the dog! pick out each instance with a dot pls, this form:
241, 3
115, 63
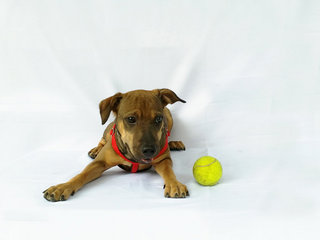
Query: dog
135, 141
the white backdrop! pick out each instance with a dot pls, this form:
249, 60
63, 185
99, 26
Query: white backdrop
250, 73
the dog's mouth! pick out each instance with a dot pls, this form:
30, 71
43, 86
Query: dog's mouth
146, 161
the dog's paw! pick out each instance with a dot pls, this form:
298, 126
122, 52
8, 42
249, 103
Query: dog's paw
177, 146
175, 190
59, 192
94, 152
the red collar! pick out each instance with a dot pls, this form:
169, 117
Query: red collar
135, 165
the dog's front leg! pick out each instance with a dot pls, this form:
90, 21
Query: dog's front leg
63, 191
172, 187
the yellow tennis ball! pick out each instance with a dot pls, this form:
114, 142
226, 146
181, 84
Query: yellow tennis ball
207, 171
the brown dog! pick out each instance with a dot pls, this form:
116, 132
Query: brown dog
136, 140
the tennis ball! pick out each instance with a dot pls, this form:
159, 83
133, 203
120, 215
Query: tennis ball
207, 171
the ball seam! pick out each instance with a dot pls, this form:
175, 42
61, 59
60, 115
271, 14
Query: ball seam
206, 165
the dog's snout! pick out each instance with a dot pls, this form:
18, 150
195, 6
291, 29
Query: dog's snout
148, 151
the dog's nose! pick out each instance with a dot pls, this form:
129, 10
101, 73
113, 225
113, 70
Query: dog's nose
148, 151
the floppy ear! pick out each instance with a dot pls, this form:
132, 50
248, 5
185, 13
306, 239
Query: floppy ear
109, 104
168, 96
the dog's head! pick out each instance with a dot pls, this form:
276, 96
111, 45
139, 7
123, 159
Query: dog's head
140, 120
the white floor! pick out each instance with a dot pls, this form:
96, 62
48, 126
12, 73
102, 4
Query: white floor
250, 73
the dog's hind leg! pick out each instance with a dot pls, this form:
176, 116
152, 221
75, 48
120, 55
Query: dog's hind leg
176, 146
94, 151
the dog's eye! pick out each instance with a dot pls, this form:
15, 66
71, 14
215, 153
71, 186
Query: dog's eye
131, 120
158, 119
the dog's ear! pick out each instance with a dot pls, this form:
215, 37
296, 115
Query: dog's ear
109, 104
167, 96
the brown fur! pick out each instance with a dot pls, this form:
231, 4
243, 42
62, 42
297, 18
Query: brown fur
140, 141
